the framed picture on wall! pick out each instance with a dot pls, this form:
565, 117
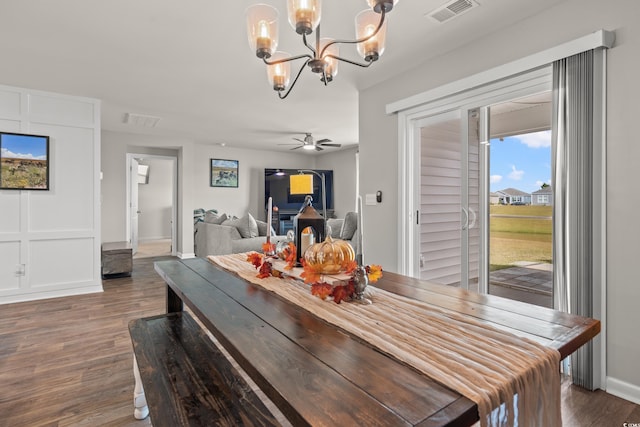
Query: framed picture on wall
224, 173
24, 161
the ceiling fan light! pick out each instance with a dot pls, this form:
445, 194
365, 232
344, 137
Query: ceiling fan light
262, 29
309, 147
304, 15
279, 74
373, 47
380, 5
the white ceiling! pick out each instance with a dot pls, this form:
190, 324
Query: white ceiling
189, 63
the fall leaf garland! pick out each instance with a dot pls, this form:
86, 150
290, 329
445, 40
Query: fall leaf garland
313, 275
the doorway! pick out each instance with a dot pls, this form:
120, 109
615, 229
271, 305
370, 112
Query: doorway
151, 204
446, 160
521, 200
578, 164
516, 214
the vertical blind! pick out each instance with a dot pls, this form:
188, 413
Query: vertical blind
573, 222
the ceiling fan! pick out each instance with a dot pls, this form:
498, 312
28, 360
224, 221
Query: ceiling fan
308, 143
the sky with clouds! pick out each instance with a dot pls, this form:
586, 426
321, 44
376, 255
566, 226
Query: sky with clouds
221, 163
522, 162
23, 147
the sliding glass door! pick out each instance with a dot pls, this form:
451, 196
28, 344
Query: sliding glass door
446, 193
521, 200
450, 147
449, 236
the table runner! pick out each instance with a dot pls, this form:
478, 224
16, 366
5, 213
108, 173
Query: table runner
482, 363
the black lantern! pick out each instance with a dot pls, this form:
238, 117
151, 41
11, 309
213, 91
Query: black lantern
307, 218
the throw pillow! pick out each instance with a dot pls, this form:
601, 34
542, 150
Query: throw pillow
336, 227
247, 226
212, 218
349, 226
262, 228
198, 215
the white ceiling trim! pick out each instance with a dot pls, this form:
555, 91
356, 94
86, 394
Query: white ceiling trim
600, 38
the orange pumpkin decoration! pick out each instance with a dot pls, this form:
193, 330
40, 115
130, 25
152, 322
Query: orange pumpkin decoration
329, 256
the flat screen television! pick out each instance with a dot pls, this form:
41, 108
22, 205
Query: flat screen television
24, 161
276, 185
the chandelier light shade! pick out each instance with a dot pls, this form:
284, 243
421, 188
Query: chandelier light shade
367, 29
304, 17
331, 53
262, 29
279, 73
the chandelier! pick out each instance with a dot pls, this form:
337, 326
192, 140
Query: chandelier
304, 17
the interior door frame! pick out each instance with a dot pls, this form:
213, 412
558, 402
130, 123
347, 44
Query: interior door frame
174, 194
134, 205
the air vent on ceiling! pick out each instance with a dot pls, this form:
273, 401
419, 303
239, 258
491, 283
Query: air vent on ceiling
141, 120
451, 10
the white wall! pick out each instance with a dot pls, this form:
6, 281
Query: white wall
343, 163
115, 146
54, 235
569, 20
194, 190
155, 200
249, 196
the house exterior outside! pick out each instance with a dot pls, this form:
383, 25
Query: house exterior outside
542, 197
513, 196
494, 198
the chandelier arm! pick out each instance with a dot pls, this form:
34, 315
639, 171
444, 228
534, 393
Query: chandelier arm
294, 80
304, 40
359, 64
363, 39
291, 58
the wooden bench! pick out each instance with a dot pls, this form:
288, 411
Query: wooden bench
187, 380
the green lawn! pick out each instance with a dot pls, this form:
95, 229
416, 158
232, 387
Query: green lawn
521, 210
517, 238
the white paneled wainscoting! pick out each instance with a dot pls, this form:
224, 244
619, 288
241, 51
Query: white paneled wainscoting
50, 239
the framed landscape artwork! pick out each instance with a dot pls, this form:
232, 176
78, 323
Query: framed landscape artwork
24, 161
224, 173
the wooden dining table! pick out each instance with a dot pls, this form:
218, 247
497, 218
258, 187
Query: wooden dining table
318, 374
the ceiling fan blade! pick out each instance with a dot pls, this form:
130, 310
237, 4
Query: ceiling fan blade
298, 139
293, 143
318, 148
322, 141
330, 145
295, 148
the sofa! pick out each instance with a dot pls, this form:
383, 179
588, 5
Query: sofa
219, 234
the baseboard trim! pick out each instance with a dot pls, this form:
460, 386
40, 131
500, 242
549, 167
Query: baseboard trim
186, 255
54, 293
153, 239
624, 390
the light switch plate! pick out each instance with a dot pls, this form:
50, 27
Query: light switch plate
370, 199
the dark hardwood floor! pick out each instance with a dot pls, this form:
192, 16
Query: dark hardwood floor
68, 361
